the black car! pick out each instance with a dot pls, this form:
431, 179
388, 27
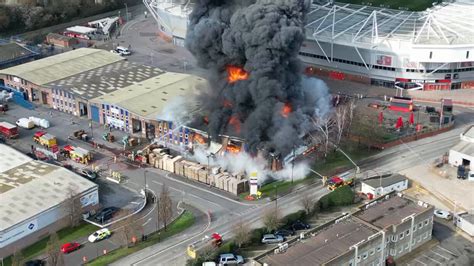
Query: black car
35, 263
299, 225
284, 232
106, 214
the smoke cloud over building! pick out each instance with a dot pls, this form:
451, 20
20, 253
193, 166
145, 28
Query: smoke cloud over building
250, 49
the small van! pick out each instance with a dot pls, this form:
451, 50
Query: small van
123, 51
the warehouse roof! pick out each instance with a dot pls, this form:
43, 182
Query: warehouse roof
329, 243
148, 98
390, 210
13, 51
464, 147
468, 135
384, 181
58, 36
446, 23
29, 187
63, 65
105, 79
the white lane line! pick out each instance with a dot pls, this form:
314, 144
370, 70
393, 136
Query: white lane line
419, 261
450, 252
147, 221
210, 202
436, 253
424, 256
172, 188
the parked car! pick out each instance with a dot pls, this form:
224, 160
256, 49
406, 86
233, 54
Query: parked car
106, 214
70, 247
99, 235
121, 51
89, 174
35, 263
443, 214
230, 258
272, 239
284, 232
299, 225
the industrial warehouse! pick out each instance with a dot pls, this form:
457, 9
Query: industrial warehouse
429, 50
34, 195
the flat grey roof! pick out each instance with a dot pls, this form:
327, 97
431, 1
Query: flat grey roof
468, 217
328, 244
464, 147
29, 187
105, 79
386, 181
11, 51
390, 211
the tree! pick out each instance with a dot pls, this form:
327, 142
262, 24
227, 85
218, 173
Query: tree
341, 115
165, 206
307, 203
17, 258
73, 208
241, 234
53, 249
271, 220
129, 230
325, 127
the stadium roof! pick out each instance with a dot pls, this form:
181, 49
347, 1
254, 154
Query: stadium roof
29, 187
149, 97
63, 65
367, 26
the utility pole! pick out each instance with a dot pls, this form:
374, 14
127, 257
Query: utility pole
146, 185
126, 11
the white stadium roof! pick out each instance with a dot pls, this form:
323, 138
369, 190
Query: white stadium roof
367, 26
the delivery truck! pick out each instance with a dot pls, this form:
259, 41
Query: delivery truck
8, 130
25, 123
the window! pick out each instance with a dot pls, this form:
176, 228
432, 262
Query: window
431, 55
427, 221
467, 55
420, 225
414, 228
379, 248
358, 258
394, 238
186, 136
365, 255
401, 236
407, 232
372, 252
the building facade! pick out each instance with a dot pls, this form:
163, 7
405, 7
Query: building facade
378, 186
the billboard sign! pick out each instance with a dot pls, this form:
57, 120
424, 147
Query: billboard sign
383, 60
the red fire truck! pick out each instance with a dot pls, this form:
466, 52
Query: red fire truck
8, 130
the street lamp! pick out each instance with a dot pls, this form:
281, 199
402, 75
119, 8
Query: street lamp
126, 11
144, 176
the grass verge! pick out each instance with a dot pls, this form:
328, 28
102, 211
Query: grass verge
180, 224
65, 235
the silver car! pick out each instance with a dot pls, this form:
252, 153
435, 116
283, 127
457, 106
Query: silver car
272, 239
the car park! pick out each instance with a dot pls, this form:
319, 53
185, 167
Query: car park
230, 258
443, 214
99, 235
284, 232
299, 225
272, 239
70, 247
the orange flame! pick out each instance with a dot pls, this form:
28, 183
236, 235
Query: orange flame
233, 149
234, 121
200, 139
236, 73
286, 110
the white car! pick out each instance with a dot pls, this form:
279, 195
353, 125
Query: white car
443, 214
121, 51
99, 235
230, 258
272, 239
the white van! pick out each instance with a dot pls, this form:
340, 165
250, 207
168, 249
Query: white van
123, 51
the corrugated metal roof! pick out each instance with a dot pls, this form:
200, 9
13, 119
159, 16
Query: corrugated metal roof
464, 147
60, 66
148, 98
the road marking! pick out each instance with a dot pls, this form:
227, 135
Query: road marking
147, 221
212, 203
431, 259
134, 202
450, 252
436, 253
419, 261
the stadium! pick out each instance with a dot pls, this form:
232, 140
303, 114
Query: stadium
429, 50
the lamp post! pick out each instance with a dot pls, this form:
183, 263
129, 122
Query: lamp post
126, 11
144, 177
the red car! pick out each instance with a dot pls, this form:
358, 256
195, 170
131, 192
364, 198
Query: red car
69, 247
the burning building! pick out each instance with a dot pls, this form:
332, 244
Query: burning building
250, 49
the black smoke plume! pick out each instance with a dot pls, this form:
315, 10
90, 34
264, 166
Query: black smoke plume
264, 38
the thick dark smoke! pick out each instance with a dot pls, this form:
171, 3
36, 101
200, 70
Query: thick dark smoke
264, 37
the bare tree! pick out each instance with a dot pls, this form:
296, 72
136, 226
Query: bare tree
129, 230
307, 203
271, 220
17, 258
241, 234
53, 249
325, 127
165, 206
341, 115
73, 207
